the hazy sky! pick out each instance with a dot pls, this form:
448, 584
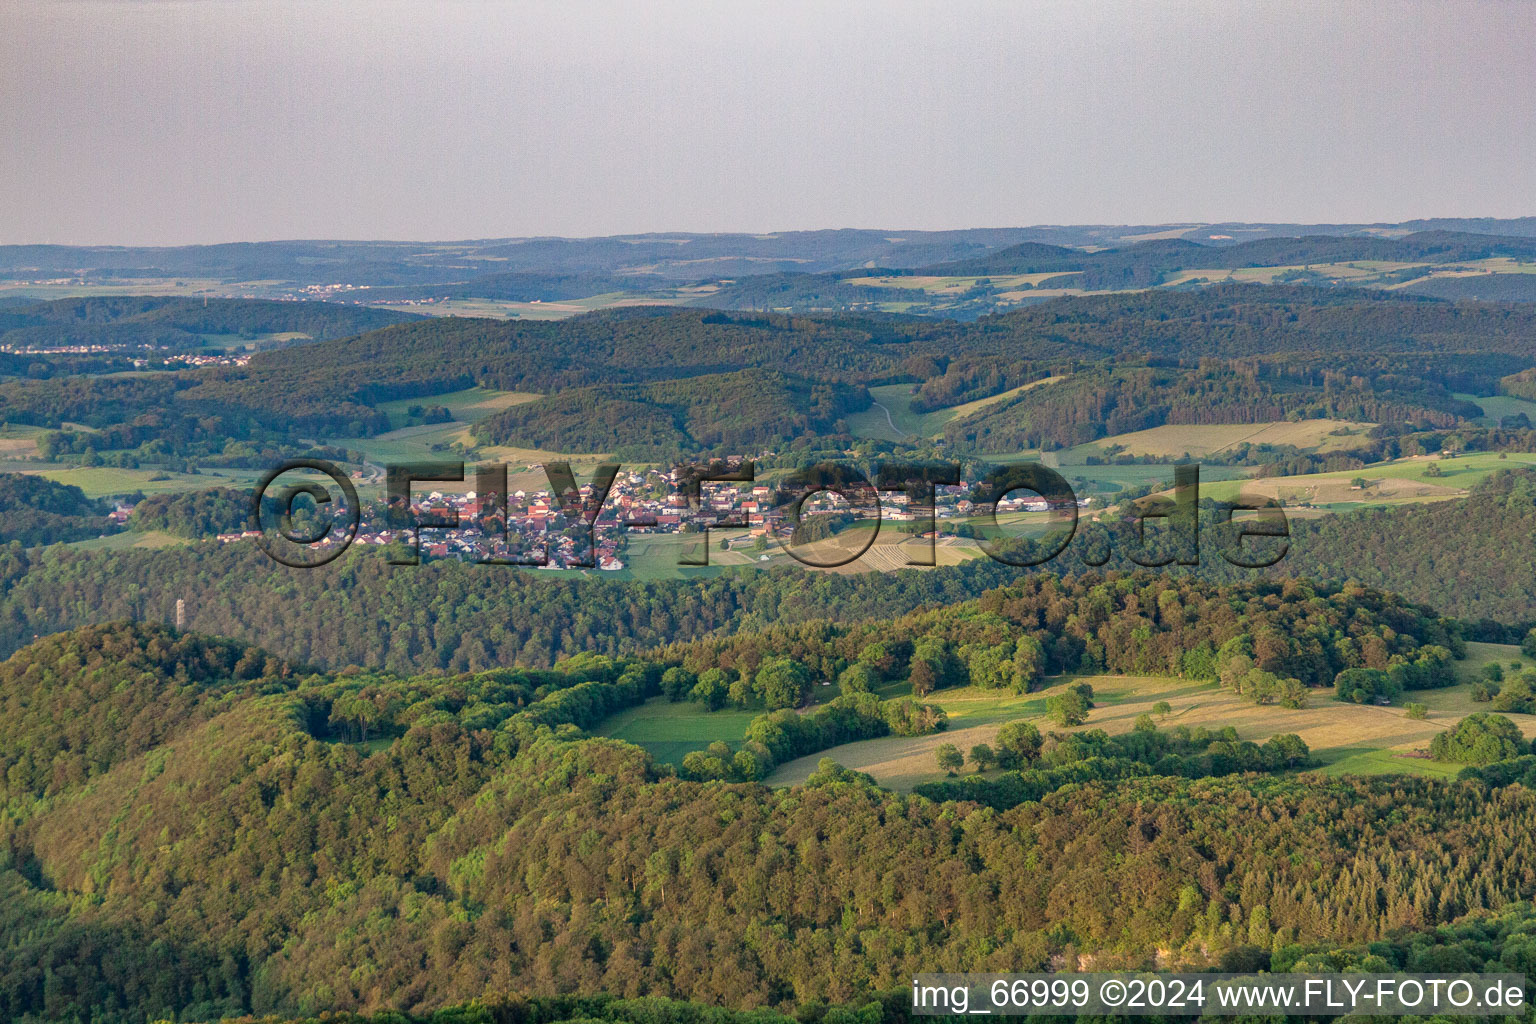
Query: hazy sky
171, 121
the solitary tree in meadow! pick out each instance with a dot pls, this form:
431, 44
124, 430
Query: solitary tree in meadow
949, 758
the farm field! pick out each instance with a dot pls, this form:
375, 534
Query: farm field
1405, 480
100, 481
1202, 440
426, 441
893, 549
236, 342
955, 285
18, 441
128, 286
1346, 738
654, 556
449, 441
498, 309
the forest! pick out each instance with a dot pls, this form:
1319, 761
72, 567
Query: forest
303, 841
727, 413
37, 511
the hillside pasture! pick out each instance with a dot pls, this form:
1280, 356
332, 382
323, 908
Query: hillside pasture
896, 400
18, 441
466, 406
1345, 738
1204, 440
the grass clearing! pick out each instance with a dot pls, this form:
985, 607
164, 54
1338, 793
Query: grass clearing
131, 539
655, 556
670, 731
1496, 407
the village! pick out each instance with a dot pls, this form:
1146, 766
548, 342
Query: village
532, 527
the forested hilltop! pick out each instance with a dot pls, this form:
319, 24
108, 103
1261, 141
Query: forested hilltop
653, 379
195, 827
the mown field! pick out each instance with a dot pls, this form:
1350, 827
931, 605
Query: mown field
1203, 440
1346, 738
1405, 480
467, 406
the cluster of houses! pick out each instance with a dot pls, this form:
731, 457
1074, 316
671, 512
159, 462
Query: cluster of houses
139, 362
534, 527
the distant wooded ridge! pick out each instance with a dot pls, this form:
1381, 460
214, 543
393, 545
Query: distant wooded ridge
671, 255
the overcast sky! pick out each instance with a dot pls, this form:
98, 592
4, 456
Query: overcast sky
173, 121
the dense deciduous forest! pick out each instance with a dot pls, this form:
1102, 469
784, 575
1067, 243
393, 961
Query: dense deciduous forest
1465, 557
731, 413
229, 833
457, 616
361, 611
35, 510
179, 324
194, 514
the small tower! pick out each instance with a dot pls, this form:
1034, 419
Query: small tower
181, 614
